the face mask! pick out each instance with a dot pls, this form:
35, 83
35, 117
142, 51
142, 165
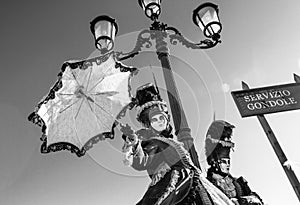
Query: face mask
224, 164
158, 122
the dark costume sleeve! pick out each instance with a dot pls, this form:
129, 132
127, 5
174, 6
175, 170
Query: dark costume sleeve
246, 191
144, 154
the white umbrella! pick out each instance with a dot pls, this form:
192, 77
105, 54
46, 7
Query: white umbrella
83, 106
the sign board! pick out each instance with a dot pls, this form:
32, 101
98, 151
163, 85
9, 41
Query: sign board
265, 100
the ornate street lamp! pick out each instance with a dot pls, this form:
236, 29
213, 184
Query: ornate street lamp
104, 29
151, 8
205, 16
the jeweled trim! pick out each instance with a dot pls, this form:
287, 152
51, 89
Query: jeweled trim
222, 142
149, 104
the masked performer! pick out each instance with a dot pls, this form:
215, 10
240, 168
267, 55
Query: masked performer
174, 177
217, 147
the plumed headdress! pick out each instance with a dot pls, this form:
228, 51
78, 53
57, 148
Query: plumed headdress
149, 103
218, 141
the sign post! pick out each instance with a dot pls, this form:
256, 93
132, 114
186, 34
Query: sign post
266, 100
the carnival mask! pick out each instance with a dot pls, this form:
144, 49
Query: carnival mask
224, 164
159, 122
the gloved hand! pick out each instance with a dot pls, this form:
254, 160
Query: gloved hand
128, 134
250, 200
235, 201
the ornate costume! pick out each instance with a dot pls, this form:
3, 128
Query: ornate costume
217, 147
174, 177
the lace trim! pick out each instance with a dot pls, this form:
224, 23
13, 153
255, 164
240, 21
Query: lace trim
160, 173
128, 159
170, 188
225, 184
216, 194
182, 152
129, 151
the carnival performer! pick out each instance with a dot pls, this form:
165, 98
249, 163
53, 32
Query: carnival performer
218, 144
174, 177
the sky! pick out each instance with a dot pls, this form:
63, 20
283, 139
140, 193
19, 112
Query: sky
260, 46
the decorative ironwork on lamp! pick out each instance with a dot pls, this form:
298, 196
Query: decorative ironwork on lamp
104, 29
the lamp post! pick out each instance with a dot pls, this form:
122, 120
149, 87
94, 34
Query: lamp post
205, 17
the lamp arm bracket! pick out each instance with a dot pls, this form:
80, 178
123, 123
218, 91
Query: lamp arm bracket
175, 30
143, 40
177, 37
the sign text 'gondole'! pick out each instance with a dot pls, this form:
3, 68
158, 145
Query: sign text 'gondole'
267, 100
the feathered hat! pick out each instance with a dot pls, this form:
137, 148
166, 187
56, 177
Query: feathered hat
149, 103
218, 141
